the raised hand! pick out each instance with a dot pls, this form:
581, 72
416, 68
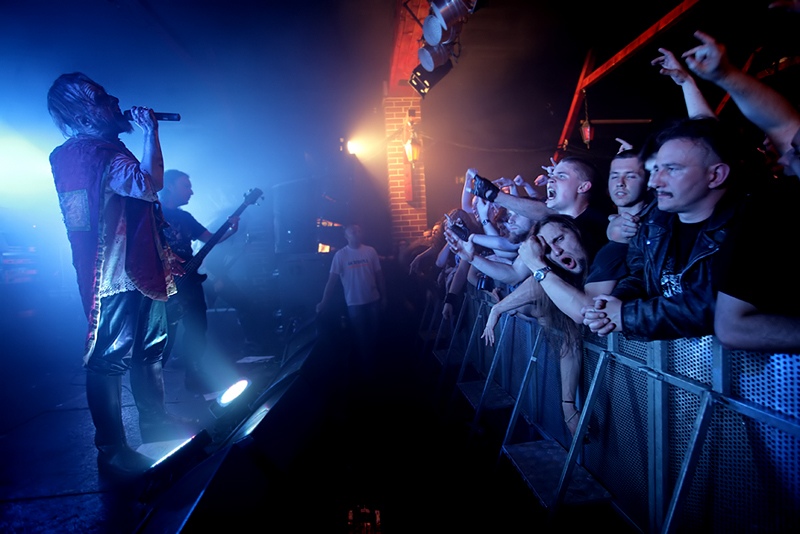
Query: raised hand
670, 66
484, 188
548, 169
503, 182
708, 60
464, 249
623, 145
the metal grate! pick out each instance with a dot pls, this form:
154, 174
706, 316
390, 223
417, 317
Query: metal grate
771, 380
746, 479
618, 436
747, 472
691, 357
634, 349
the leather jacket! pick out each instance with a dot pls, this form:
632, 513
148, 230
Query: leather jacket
647, 314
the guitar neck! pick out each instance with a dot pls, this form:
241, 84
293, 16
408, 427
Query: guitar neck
192, 265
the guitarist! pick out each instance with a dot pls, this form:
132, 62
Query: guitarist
183, 229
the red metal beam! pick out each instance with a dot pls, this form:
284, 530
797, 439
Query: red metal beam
587, 80
648, 35
577, 100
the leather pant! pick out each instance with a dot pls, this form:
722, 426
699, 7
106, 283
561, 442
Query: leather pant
132, 330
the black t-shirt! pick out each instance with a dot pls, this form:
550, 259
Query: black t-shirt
758, 257
592, 223
609, 263
681, 244
182, 230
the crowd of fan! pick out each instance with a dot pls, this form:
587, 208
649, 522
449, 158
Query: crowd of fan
670, 252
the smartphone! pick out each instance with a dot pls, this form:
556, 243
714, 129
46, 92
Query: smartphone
459, 229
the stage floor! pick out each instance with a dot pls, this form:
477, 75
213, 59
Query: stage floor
328, 446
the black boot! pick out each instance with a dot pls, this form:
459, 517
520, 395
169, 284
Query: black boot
114, 457
155, 424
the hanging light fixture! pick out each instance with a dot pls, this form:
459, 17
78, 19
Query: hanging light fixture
587, 130
413, 146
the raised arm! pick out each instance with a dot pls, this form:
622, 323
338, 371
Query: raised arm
152, 158
696, 104
758, 102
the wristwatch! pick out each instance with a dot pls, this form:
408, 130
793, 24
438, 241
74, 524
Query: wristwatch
539, 274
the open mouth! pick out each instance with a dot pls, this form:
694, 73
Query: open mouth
551, 194
568, 262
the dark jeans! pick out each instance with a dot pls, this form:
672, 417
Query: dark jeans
365, 324
132, 329
194, 321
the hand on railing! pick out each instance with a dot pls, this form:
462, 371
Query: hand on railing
605, 316
491, 322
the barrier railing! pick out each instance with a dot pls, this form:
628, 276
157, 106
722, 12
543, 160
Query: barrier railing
683, 435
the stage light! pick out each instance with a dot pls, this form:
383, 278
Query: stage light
224, 400
233, 392
354, 147
423, 81
434, 33
432, 57
448, 12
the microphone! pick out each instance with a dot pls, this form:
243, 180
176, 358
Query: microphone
159, 116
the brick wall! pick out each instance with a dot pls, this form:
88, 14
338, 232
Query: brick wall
406, 185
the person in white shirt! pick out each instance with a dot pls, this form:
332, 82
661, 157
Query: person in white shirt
358, 268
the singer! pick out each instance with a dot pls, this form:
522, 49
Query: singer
124, 267
159, 116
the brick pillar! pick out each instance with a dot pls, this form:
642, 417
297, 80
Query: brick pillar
406, 185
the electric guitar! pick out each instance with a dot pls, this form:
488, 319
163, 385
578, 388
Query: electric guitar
175, 309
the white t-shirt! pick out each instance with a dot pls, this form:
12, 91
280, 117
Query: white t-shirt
358, 269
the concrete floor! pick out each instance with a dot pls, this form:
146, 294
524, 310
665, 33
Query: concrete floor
325, 448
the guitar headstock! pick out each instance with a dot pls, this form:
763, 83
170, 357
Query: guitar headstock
252, 196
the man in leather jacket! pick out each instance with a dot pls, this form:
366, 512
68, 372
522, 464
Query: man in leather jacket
669, 292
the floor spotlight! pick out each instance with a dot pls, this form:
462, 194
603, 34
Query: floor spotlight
219, 407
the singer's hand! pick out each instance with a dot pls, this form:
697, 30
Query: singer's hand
144, 118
